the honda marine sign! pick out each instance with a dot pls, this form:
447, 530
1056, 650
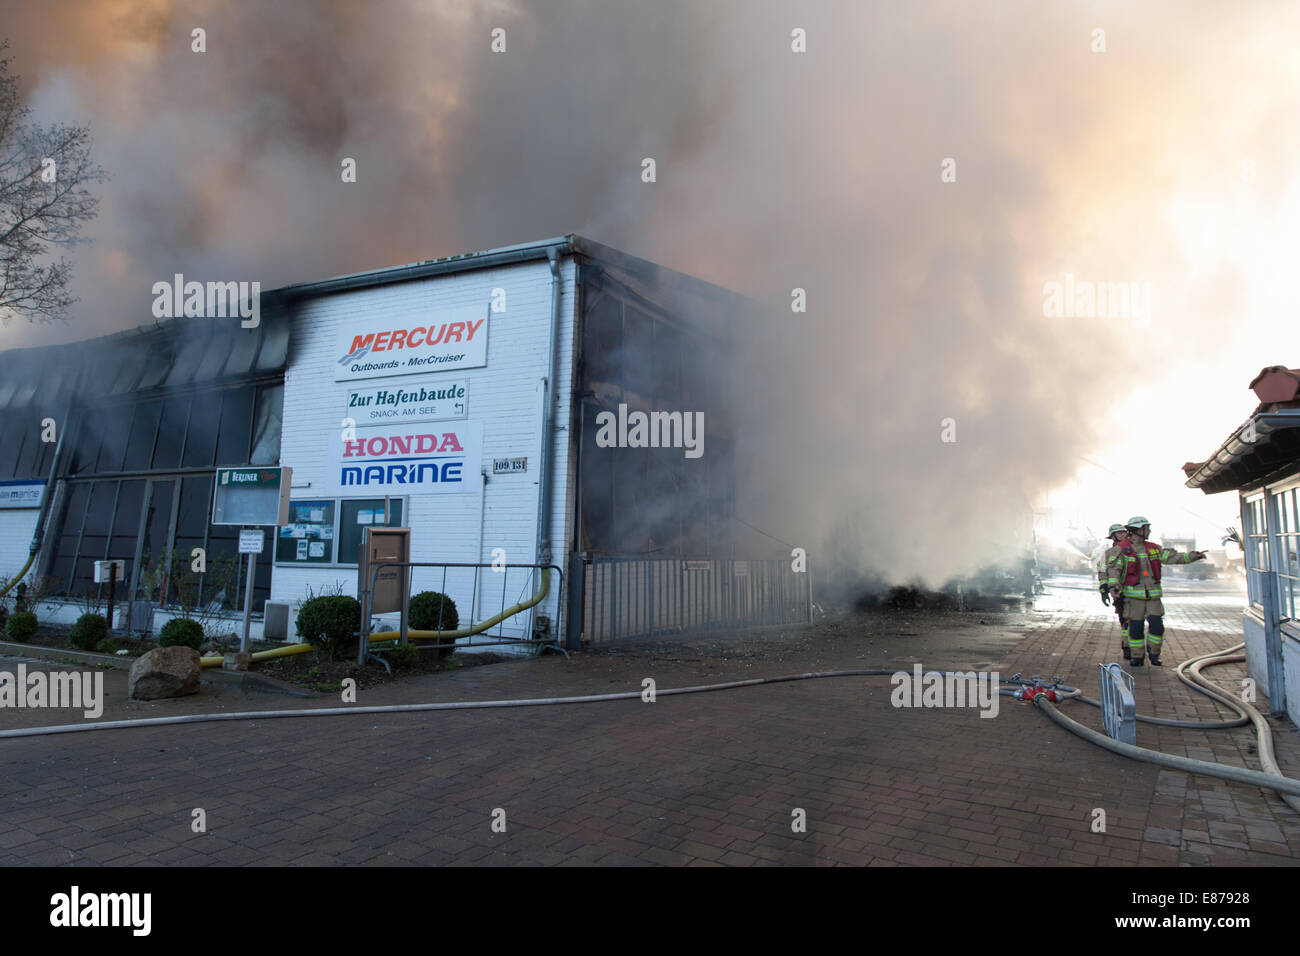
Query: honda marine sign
415, 459
434, 342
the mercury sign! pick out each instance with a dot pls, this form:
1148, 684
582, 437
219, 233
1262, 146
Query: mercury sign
426, 342
437, 458
428, 399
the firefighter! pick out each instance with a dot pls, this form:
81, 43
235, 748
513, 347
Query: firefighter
1117, 535
1134, 574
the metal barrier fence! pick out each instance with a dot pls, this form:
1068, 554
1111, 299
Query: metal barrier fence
1118, 706
477, 592
626, 597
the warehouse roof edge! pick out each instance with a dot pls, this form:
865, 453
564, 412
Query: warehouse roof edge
189, 350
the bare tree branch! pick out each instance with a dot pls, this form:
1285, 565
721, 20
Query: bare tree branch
43, 202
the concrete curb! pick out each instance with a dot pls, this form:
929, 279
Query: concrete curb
10, 649
246, 681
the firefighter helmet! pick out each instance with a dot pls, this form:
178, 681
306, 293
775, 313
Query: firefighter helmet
1137, 521
1114, 530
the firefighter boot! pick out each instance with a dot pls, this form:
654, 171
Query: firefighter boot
1156, 638
1137, 645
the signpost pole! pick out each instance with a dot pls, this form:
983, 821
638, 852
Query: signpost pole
248, 598
112, 580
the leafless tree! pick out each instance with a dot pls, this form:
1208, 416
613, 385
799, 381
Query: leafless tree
43, 200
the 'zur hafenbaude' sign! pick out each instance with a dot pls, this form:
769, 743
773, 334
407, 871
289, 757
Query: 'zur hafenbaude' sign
378, 347
406, 460
430, 399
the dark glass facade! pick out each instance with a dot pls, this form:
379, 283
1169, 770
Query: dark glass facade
138, 487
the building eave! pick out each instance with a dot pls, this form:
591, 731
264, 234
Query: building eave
1262, 448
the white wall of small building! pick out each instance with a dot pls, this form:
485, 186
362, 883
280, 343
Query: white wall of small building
505, 396
16, 527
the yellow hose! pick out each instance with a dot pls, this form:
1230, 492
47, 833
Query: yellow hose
479, 628
19, 576
290, 649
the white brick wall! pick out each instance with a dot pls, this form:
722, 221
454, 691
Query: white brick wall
505, 396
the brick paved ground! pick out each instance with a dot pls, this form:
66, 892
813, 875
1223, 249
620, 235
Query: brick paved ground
689, 780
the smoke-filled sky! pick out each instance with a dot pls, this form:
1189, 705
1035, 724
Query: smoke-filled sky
1171, 159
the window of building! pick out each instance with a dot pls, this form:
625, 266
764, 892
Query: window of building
27, 455
308, 538
328, 531
236, 426
201, 438
266, 426
1287, 524
171, 432
357, 514
144, 432
1255, 537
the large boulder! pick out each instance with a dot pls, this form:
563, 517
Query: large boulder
165, 672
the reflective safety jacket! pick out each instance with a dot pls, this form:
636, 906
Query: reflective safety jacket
1135, 569
1103, 566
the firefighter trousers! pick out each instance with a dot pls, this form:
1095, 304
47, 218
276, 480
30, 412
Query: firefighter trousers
1138, 644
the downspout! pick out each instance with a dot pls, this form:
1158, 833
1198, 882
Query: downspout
575, 567
548, 422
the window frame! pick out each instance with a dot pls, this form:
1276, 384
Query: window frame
397, 503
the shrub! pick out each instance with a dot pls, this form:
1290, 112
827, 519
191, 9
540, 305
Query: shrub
89, 630
329, 622
181, 632
107, 646
21, 626
404, 656
433, 611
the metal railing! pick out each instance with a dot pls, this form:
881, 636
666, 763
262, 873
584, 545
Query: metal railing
625, 597
1118, 706
466, 589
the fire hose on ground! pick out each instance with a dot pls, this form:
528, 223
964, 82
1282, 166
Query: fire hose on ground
1042, 697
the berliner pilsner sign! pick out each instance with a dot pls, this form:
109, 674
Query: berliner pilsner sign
252, 496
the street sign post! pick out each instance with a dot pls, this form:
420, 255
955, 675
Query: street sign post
251, 496
251, 544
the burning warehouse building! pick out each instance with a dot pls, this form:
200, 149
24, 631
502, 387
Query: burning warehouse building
557, 403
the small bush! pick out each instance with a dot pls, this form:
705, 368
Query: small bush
89, 630
432, 611
21, 626
329, 622
401, 656
107, 646
181, 632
